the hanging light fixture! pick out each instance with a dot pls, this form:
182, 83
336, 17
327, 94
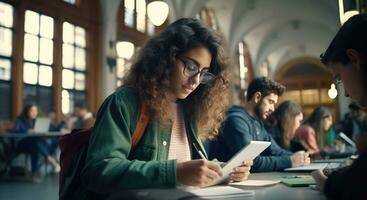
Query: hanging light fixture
157, 12
125, 49
347, 9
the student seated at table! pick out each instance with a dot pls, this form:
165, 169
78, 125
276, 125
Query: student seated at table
84, 118
283, 123
245, 123
315, 132
34, 145
180, 75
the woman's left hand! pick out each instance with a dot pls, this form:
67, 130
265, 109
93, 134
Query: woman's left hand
242, 172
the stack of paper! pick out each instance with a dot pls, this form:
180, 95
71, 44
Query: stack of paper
220, 192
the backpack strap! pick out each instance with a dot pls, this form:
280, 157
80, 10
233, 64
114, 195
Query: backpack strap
141, 125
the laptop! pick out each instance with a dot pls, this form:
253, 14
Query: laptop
42, 125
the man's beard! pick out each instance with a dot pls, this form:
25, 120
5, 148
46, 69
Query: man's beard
258, 111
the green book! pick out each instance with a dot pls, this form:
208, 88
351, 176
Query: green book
298, 181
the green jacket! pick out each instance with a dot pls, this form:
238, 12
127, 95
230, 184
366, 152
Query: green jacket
110, 166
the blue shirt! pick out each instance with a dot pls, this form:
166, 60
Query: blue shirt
239, 129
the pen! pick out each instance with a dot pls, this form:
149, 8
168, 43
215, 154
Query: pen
199, 151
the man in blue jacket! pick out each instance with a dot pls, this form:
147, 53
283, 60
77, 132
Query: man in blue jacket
244, 124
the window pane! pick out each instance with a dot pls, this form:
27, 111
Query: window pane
80, 36
45, 75
6, 15
31, 22
5, 69
65, 102
141, 7
5, 41
67, 56
5, 105
130, 4
30, 73
79, 81
68, 79
30, 47
151, 28
140, 23
68, 33
46, 51
80, 59
120, 67
30, 94
310, 96
45, 99
70, 1
129, 18
47, 27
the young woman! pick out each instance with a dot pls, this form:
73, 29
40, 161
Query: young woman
180, 75
283, 123
314, 133
34, 145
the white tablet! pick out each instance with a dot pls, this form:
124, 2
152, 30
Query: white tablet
249, 152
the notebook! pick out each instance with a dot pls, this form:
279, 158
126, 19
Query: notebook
42, 125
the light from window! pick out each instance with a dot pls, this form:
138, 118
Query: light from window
79, 36
140, 15
65, 99
30, 47
79, 81
5, 41
129, 13
6, 15
30, 73
67, 56
31, 22
68, 79
68, 33
73, 2
80, 59
47, 27
45, 75
5, 69
46, 51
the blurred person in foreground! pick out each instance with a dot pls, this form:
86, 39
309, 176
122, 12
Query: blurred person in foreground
346, 56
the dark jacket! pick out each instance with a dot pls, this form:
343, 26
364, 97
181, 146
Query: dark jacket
348, 182
239, 129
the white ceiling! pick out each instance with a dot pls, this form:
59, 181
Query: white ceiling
276, 31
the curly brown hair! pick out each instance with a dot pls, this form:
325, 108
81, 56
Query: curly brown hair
152, 68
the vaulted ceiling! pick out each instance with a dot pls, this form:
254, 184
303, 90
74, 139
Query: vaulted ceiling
275, 31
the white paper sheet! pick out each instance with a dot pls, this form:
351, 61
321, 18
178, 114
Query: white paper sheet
220, 192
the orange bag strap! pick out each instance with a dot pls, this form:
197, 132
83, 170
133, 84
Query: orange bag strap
141, 125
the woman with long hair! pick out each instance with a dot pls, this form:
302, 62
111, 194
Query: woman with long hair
314, 132
283, 123
180, 75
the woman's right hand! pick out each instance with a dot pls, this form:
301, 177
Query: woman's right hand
198, 172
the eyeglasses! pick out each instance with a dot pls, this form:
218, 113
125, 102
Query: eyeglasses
191, 69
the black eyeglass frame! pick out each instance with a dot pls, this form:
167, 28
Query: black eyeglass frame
205, 77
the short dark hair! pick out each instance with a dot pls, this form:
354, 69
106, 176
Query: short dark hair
265, 86
352, 35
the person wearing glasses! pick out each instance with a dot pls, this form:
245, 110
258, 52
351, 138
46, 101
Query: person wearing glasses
180, 74
346, 57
